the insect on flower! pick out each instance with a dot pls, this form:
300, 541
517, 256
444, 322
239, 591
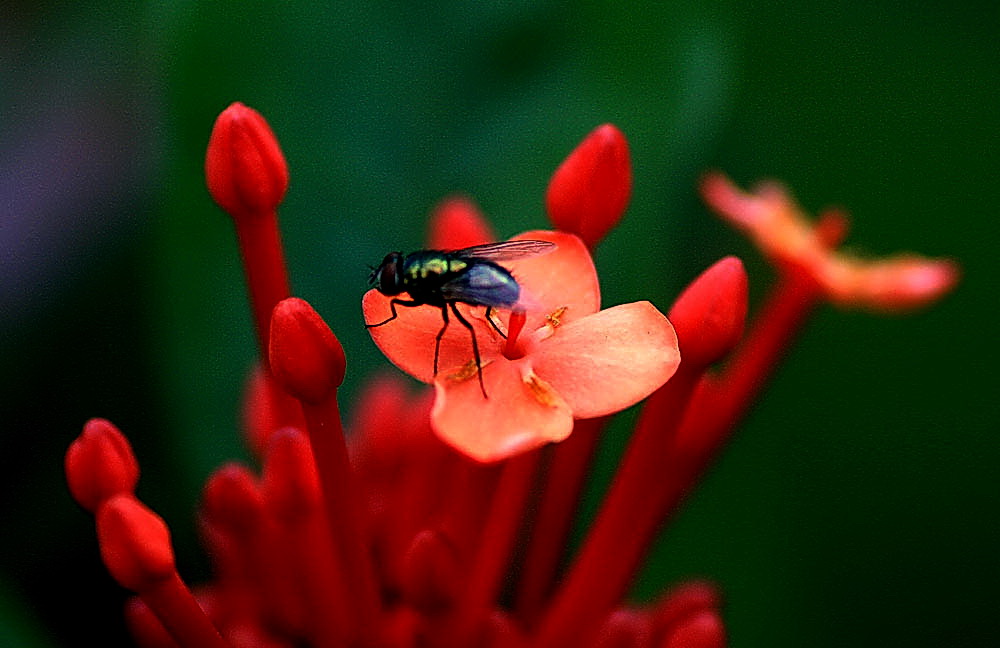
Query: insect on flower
439, 278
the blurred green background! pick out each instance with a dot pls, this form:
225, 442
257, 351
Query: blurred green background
857, 505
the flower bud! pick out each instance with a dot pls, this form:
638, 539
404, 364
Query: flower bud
233, 499
710, 314
135, 543
703, 630
457, 223
244, 167
589, 191
306, 357
431, 572
100, 464
291, 484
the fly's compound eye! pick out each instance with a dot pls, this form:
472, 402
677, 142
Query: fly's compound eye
388, 275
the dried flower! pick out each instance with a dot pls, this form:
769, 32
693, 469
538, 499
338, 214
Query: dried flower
776, 224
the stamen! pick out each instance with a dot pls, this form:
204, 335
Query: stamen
554, 319
466, 371
541, 390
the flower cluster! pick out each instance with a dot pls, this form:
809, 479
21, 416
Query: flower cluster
403, 532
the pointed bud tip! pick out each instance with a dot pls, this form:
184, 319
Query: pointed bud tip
135, 543
232, 498
100, 464
590, 190
431, 575
244, 166
456, 223
291, 483
306, 357
710, 314
702, 630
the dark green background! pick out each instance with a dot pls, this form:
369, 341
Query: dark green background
858, 504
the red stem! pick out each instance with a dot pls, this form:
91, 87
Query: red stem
264, 267
496, 544
560, 498
721, 402
324, 595
668, 453
626, 523
180, 614
342, 501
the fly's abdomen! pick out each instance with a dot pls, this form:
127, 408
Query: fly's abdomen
483, 283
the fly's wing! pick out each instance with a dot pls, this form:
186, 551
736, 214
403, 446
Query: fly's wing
505, 250
484, 284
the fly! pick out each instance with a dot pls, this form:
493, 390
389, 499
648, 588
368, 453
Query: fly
446, 278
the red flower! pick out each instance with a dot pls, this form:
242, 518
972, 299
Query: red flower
570, 360
393, 539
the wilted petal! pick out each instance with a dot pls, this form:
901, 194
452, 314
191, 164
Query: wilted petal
521, 413
610, 360
779, 227
897, 283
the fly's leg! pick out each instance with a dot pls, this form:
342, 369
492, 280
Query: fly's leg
475, 345
489, 318
437, 340
392, 307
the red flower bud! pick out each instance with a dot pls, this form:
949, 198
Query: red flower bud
100, 464
306, 357
682, 603
703, 630
709, 315
291, 484
457, 223
135, 543
624, 628
232, 499
589, 191
244, 166
431, 572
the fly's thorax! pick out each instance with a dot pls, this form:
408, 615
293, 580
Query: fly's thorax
429, 266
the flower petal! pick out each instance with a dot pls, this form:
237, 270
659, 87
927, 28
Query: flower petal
565, 277
608, 361
408, 341
521, 413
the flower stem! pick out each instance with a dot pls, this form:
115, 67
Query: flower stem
180, 614
293, 496
560, 497
626, 523
721, 402
496, 543
264, 267
341, 498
